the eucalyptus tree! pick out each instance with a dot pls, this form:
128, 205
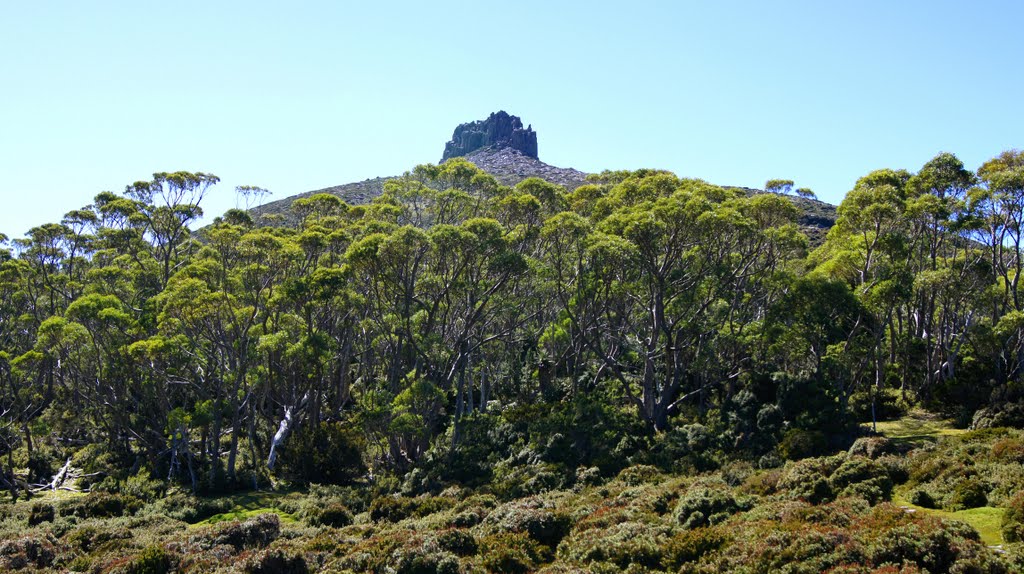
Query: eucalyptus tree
998, 203
949, 275
779, 186
674, 265
869, 247
165, 207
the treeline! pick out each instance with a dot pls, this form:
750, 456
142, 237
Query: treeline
453, 324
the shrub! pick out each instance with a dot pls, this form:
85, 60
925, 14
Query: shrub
40, 466
703, 506
1013, 519
191, 508
969, 493
1008, 449
862, 477
931, 547
871, 447
144, 488
511, 553
515, 480
620, 544
275, 561
458, 542
887, 402
89, 538
257, 532
736, 473
807, 480
762, 483
639, 474
18, 553
426, 561
927, 466
396, 508
530, 517
334, 514
1003, 415
895, 466
355, 498
102, 505
691, 545
588, 476
152, 560
798, 443
922, 498
472, 511
40, 513
769, 460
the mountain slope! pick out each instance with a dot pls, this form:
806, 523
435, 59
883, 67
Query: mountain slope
490, 145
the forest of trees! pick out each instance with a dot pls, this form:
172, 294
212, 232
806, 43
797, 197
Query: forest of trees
452, 322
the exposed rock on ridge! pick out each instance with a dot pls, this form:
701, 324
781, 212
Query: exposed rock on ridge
500, 130
510, 166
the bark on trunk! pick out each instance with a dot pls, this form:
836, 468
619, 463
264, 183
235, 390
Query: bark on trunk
285, 429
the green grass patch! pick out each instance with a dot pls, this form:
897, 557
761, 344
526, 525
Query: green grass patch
244, 514
987, 520
249, 504
917, 428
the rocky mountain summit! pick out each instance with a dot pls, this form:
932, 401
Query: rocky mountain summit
499, 131
501, 146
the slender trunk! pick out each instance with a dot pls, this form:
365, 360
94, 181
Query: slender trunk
285, 429
215, 443
236, 423
459, 394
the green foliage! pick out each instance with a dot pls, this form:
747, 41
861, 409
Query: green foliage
512, 553
921, 498
618, 545
328, 454
397, 508
101, 505
1013, 519
334, 514
968, 493
458, 542
274, 561
152, 560
691, 545
872, 447
530, 516
17, 553
807, 480
41, 512
91, 538
703, 506
797, 444
256, 532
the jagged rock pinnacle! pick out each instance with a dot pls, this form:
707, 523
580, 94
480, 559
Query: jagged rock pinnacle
499, 130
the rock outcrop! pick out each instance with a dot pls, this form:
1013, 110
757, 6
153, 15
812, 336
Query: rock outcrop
500, 130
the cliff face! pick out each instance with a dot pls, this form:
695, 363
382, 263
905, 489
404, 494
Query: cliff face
498, 131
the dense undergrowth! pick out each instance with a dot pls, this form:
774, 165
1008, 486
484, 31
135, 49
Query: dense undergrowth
831, 513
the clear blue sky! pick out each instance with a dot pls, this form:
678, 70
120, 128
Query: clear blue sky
304, 95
